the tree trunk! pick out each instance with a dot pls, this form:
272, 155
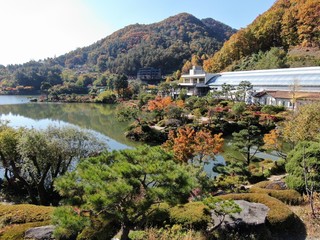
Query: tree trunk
248, 155
42, 195
125, 233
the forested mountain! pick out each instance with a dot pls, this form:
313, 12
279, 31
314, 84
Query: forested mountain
166, 45
162, 45
287, 35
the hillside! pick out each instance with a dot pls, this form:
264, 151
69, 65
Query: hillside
287, 35
165, 45
162, 45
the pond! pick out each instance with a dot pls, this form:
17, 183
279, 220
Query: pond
98, 118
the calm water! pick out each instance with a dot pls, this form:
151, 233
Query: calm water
98, 118
95, 117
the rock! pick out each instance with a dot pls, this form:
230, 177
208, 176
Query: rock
252, 214
40, 233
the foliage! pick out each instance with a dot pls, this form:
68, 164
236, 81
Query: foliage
303, 169
284, 25
242, 91
144, 133
189, 144
16, 219
66, 88
248, 140
33, 159
106, 97
166, 45
238, 108
304, 124
175, 232
68, 222
222, 208
123, 185
270, 109
24, 213
17, 231
286, 196
192, 215
120, 83
304, 155
273, 141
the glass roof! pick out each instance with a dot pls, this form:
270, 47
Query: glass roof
301, 76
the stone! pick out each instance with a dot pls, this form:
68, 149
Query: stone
252, 214
40, 233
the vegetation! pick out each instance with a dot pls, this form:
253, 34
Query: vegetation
288, 196
162, 192
303, 168
280, 217
32, 159
188, 144
16, 219
267, 41
123, 186
165, 45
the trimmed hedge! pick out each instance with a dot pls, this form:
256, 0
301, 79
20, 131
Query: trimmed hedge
24, 213
16, 219
17, 231
193, 215
289, 196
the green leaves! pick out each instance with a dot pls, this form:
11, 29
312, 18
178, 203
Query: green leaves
128, 183
37, 157
303, 166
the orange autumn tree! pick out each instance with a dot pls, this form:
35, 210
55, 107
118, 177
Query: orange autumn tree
158, 106
188, 144
159, 103
272, 141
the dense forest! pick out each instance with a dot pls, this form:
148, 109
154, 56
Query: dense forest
287, 35
165, 45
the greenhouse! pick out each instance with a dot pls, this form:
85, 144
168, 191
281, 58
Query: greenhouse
301, 79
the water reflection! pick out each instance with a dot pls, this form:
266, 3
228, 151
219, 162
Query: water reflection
96, 117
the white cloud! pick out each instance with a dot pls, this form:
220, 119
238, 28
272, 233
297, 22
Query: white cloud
37, 29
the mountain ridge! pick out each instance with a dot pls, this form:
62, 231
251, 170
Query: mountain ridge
172, 40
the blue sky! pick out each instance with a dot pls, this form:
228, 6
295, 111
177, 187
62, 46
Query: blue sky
37, 29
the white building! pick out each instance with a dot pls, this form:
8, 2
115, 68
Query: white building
305, 79
272, 87
196, 81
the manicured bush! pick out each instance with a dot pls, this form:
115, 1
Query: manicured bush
24, 213
17, 231
159, 216
175, 232
289, 196
194, 215
16, 219
272, 109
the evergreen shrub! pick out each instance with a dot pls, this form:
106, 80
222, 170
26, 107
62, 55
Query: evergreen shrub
16, 219
288, 196
193, 215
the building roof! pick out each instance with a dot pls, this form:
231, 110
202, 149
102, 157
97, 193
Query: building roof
289, 95
307, 76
